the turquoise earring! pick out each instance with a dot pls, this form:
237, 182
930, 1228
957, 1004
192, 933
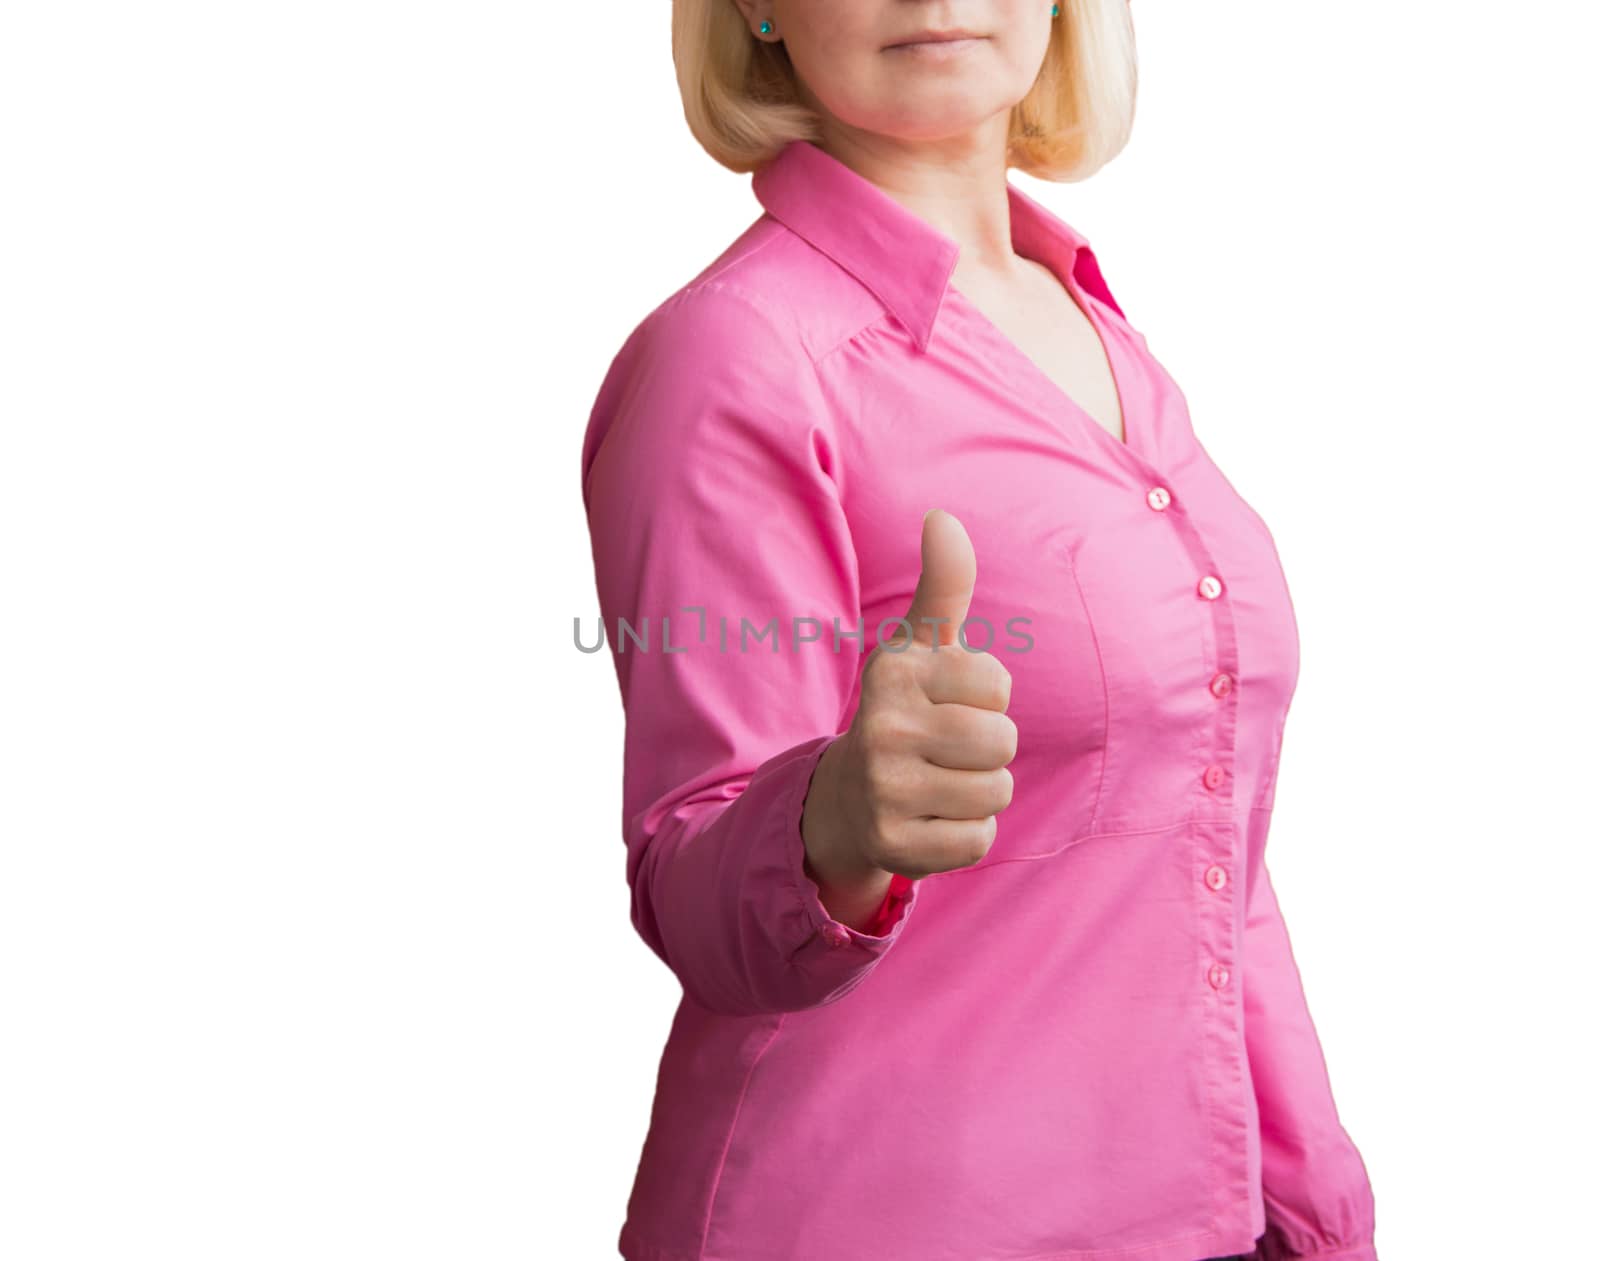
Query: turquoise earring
1055, 10
766, 28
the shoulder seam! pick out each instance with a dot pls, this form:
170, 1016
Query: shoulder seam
715, 276
776, 314
719, 280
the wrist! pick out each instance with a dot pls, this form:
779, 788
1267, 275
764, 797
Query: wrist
852, 888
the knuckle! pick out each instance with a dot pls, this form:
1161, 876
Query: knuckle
986, 680
1005, 787
880, 665
881, 730
870, 833
879, 777
999, 681
968, 666
886, 848
890, 661
980, 840
1008, 739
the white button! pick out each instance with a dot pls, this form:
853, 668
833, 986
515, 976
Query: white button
1210, 587
1158, 498
1218, 976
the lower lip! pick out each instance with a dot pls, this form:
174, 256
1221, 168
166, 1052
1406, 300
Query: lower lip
937, 49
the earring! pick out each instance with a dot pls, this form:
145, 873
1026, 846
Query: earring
766, 28
1055, 10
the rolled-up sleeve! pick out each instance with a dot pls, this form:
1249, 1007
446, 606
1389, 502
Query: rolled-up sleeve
1319, 1202
719, 541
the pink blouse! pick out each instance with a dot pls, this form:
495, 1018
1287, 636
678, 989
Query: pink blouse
1091, 1045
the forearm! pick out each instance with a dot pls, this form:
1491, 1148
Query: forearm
723, 899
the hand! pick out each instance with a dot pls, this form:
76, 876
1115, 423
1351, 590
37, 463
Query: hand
915, 785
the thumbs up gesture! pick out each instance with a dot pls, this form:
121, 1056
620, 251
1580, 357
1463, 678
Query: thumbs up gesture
915, 785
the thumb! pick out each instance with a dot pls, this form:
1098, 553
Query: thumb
949, 574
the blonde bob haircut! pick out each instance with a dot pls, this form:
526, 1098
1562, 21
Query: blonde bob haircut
740, 100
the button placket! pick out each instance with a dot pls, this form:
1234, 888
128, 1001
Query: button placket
1215, 777
1221, 685
1215, 833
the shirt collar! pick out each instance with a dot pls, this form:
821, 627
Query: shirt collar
900, 257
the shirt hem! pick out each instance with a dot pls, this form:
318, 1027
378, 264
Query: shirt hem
634, 1246
1366, 1251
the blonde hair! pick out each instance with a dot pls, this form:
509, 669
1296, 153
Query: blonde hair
741, 104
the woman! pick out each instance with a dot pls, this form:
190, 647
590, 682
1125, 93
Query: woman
979, 955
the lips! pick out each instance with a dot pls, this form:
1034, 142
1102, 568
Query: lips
936, 37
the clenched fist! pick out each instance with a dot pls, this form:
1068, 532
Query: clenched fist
914, 785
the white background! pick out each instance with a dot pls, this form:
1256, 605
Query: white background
314, 935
